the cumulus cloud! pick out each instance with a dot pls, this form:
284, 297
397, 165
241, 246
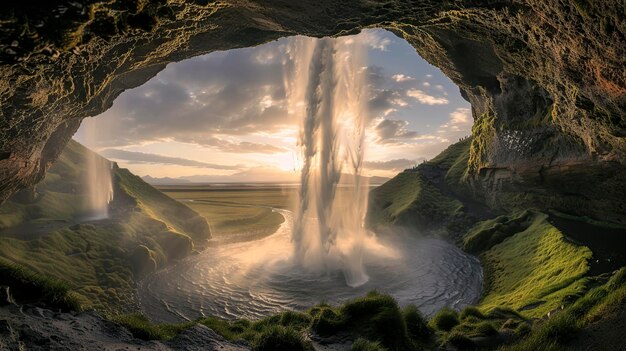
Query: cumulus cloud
148, 158
402, 78
389, 131
375, 39
392, 165
237, 93
460, 121
426, 99
238, 147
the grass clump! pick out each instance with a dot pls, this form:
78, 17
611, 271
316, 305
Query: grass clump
458, 340
28, 286
280, 338
445, 320
141, 327
486, 329
366, 345
471, 311
378, 317
375, 317
522, 330
549, 335
416, 325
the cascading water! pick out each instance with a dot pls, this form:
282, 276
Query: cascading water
322, 245
328, 231
98, 182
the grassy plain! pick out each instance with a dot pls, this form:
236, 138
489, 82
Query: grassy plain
236, 209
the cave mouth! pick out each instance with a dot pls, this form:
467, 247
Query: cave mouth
241, 116
195, 114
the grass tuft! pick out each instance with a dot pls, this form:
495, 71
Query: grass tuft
141, 327
28, 286
366, 345
279, 338
471, 311
445, 320
416, 325
459, 340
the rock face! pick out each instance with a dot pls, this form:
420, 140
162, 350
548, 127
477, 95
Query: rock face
34, 328
545, 78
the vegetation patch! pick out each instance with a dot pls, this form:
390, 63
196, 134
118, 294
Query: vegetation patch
534, 270
483, 132
410, 199
486, 234
27, 286
445, 320
366, 345
141, 327
100, 261
559, 330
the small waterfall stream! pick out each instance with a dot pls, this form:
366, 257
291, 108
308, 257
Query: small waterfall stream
98, 182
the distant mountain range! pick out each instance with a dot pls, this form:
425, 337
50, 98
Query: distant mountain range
253, 175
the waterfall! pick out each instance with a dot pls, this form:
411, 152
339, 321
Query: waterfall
327, 86
98, 182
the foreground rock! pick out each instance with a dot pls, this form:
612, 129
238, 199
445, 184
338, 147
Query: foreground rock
34, 328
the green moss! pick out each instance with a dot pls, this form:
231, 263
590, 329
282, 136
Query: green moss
410, 198
536, 267
483, 132
484, 235
27, 286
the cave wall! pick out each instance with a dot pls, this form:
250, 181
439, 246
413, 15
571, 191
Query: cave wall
545, 77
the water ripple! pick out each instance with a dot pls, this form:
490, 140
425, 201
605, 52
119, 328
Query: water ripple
258, 278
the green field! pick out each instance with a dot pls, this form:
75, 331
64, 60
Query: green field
236, 210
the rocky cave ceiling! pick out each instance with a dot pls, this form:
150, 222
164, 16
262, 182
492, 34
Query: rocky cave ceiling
545, 78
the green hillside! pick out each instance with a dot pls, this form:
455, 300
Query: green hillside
43, 233
415, 197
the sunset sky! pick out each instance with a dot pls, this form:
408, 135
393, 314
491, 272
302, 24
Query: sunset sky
225, 113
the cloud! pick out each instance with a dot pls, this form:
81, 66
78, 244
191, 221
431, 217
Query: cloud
402, 78
392, 165
239, 147
375, 39
237, 93
389, 130
460, 121
147, 158
426, 99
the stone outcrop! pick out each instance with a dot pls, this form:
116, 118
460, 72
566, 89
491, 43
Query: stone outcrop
545, 78
35, 328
